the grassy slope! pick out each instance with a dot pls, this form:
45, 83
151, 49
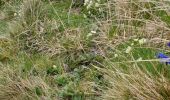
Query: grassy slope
53, 52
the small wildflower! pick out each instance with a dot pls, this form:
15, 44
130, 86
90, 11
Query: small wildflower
161, 55
91, 2
115, 55
139, 59
93, 32
15, 14
135, 39
163, 58
54, 66
168, 44
128, 50
142, 41
132, 44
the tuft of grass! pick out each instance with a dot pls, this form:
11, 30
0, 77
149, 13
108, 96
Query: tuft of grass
134, 83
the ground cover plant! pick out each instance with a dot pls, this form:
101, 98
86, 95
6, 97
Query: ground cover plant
84, 50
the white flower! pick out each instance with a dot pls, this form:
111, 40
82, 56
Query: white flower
91, 2
132, 44
94, 32
142, 41
128, 50
54, 66
135, 39
15, 14
115, 55
139, 59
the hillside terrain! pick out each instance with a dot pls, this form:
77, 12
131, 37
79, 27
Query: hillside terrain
84, 50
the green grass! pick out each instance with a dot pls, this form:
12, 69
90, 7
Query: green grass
3, 27
52, 50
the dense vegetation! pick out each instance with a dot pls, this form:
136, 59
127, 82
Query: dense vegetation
91, 50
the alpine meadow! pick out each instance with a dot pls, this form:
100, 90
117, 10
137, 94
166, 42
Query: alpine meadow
84, 49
